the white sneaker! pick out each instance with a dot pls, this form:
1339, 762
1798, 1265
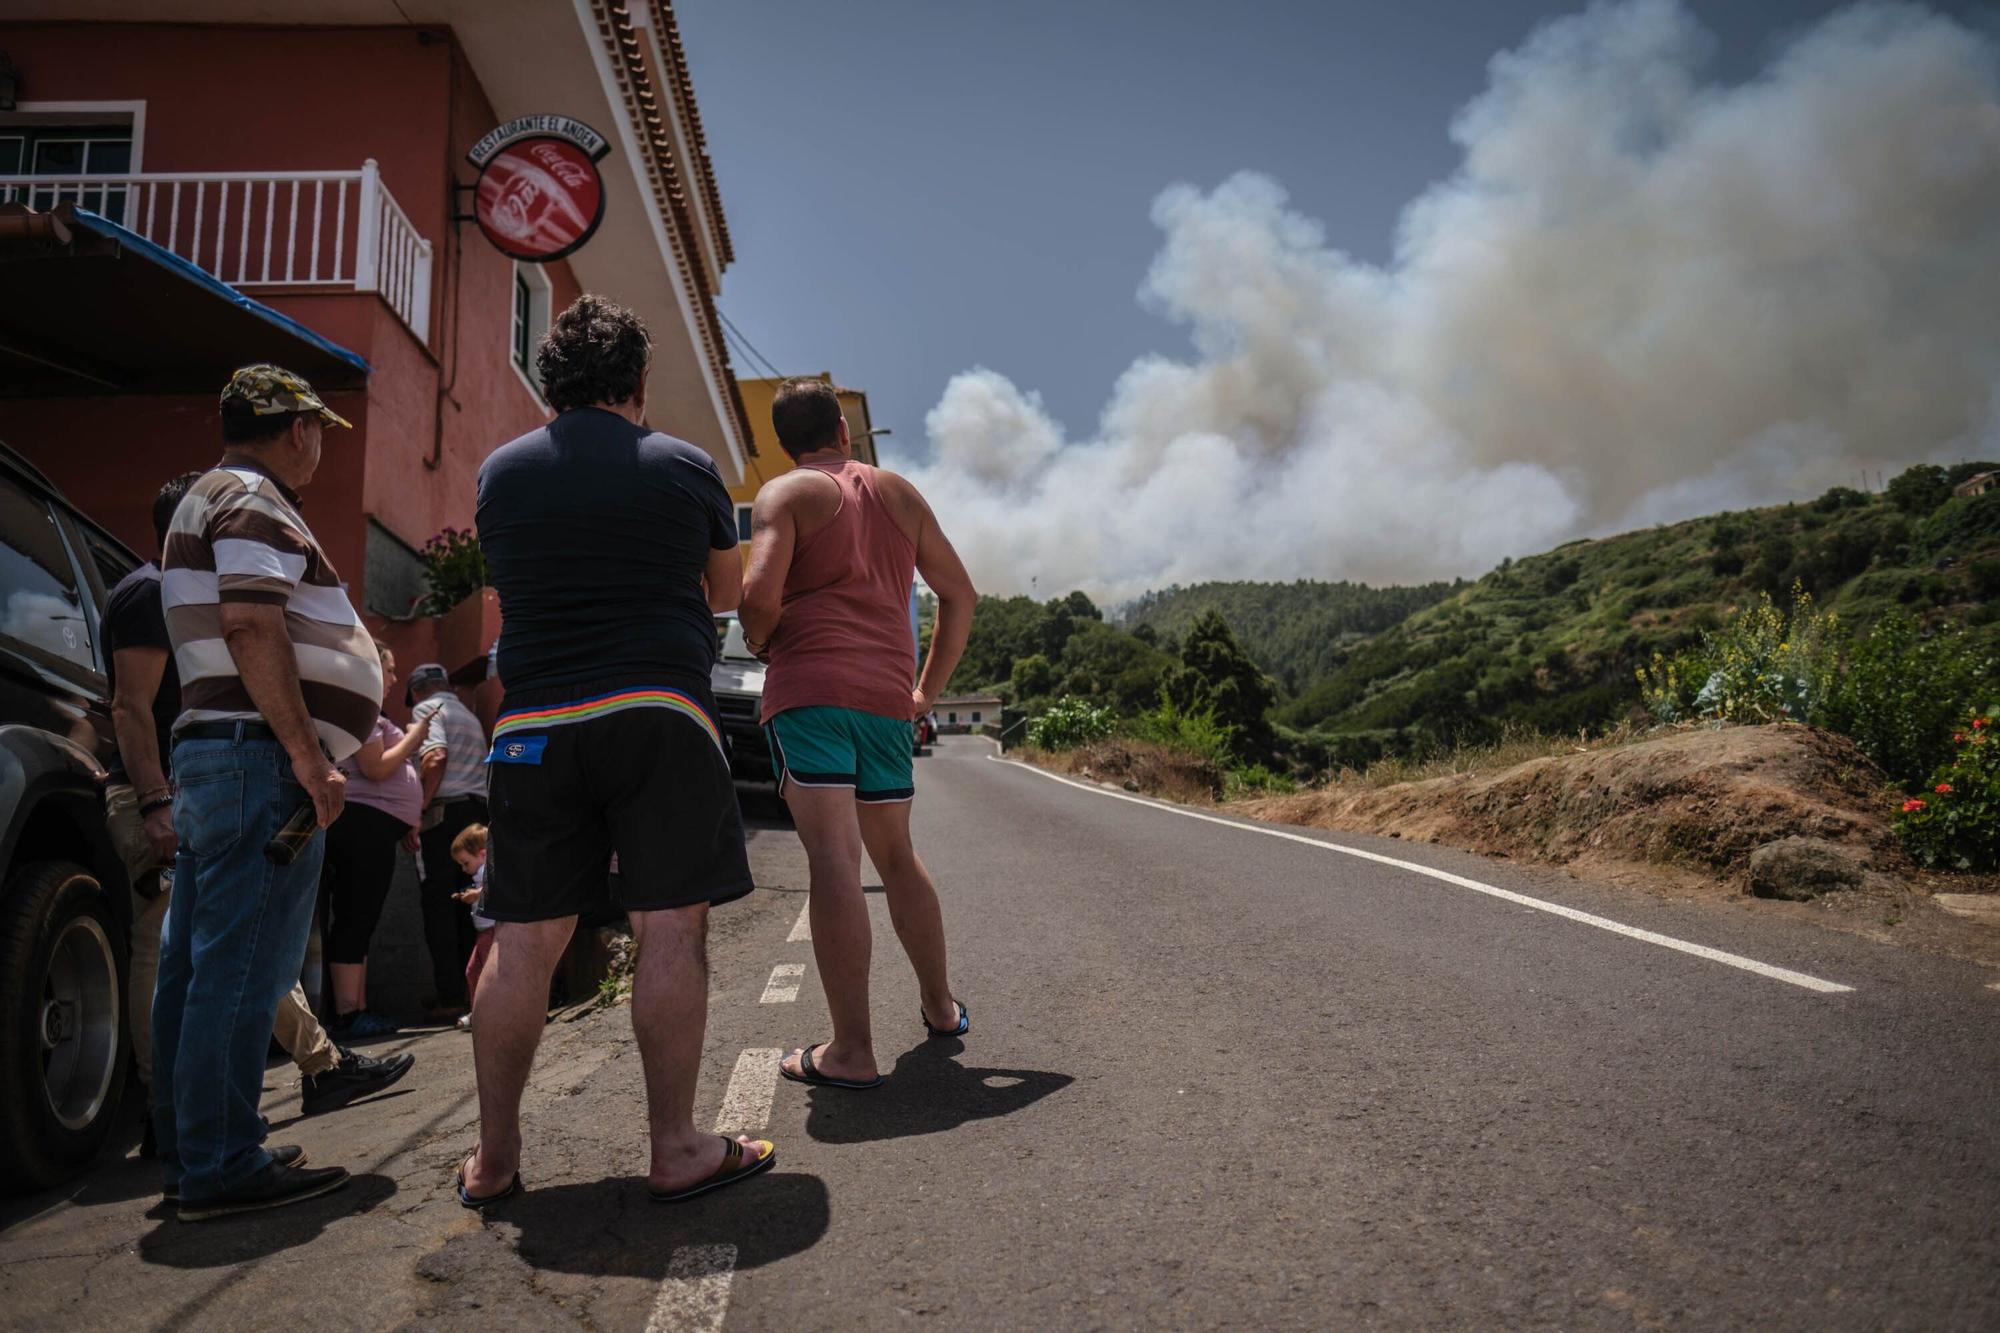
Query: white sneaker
465, 1022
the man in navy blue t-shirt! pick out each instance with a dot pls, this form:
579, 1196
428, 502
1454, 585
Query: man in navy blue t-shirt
612, 547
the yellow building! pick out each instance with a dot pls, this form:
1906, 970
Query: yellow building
768, 458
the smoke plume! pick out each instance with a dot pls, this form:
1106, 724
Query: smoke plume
1641, 297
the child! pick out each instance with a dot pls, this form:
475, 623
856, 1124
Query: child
469, 850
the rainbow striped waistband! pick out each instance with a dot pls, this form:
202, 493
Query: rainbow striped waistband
604, 705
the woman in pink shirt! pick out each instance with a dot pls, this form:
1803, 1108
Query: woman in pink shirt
384, 801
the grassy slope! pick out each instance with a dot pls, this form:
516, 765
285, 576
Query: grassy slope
1551, 641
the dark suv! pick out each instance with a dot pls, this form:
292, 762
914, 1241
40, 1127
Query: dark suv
65, 905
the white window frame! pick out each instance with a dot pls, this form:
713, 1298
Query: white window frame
86, 113
541, 294
742, 527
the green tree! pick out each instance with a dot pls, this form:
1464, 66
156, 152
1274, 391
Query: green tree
1111, 666
1918, 490
1081, 607
1032, 678
1216, 674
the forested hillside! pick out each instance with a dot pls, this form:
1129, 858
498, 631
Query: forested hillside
1295, 631
1549, 643
1552, 642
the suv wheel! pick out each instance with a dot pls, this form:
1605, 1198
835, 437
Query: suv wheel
62, 1022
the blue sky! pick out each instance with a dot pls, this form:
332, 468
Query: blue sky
917, 187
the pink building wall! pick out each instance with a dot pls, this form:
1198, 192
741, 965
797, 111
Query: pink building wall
300, 99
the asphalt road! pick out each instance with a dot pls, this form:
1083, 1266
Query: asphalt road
1216, 1078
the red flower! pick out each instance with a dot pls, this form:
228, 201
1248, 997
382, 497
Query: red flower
1978, 722
1958, 738
1911, 806
1944, 789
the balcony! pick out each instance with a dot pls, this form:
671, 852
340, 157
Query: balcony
299, 229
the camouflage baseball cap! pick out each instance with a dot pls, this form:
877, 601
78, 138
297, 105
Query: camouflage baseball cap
267, 390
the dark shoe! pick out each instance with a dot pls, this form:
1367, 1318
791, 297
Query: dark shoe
289, 1154
273, 1187
355, 1077
363, 1024
149, 1147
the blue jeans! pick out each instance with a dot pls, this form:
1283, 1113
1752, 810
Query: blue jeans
235, 937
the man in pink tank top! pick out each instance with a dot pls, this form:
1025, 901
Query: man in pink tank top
826, 602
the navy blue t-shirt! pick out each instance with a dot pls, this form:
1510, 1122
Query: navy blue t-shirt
135, 617
596, 534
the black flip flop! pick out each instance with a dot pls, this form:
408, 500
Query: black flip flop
466, 1199
726, 1174
810, 1075
964, 1022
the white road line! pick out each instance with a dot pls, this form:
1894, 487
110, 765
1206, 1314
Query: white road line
746, 1102
1785, 975
802, 929
694, 1295
783, 987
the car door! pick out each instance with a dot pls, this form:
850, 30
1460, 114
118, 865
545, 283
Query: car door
50, 669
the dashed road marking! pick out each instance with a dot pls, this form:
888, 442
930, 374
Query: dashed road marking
783, 987
746, 1102
1783, 974
802, 929
694, 1295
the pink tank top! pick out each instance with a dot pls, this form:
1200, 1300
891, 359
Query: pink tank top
844, 640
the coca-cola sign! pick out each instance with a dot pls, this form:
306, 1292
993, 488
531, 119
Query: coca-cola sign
539, 195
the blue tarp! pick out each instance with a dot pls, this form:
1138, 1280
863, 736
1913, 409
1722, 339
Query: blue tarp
173, 263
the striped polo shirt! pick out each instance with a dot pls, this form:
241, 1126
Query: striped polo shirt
238, 537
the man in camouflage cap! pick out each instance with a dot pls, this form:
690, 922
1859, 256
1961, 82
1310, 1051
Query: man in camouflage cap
279, 682
265, 390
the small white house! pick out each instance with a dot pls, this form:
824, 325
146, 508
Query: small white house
966, 712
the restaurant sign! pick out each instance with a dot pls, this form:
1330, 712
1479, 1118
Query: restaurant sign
539, 193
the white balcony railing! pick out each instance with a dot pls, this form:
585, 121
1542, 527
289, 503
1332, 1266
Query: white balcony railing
264, 228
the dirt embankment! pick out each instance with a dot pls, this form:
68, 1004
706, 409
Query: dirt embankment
1698, 802
1783, 811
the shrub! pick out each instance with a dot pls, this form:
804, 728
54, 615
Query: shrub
1840, 497
1070, 722
1901, 691
1956, 824
1255, 779
1958, 525
1195, 730
454, 569
1893, 691
1768, 665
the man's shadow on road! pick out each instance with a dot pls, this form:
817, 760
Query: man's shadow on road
610, 1228
224, 1241
928, 1092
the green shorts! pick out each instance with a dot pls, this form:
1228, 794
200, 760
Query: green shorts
839, 747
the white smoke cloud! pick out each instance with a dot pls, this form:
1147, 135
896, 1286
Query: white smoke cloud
1641, 297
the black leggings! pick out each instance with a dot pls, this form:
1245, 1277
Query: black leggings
360, 863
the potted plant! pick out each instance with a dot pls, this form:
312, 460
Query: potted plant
467, 611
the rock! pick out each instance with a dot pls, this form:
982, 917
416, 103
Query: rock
1981, 907
1802, 868
1131, 784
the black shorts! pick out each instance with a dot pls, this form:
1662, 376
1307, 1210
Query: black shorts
636, 770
